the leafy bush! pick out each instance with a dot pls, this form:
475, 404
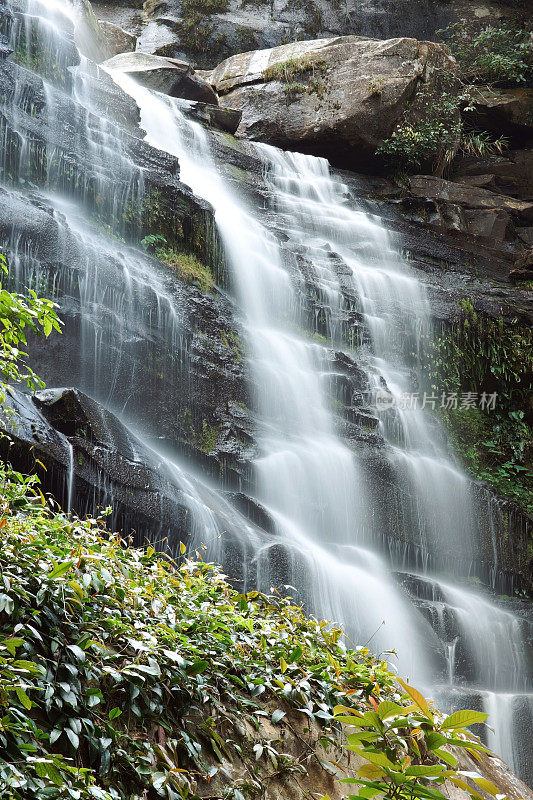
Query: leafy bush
501, 56
408, 749
102, 646
430, 135
18, 313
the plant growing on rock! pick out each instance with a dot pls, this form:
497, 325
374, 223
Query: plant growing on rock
479, 354
500, 56
125, 674
186, 265
429, 134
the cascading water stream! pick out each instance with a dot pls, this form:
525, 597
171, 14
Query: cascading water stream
341, 535
307, 478
310, 481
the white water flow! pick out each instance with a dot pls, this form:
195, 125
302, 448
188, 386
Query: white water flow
307, 477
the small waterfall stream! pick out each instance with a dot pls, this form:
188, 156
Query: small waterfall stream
363, 538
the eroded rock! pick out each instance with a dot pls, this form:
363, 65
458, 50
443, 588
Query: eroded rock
468, 196
504, 112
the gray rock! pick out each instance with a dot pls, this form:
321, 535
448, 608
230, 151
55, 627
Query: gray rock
504, 112
513, 172
117, 39
72, 435
166, 75
335, 97
224, 119
493, 224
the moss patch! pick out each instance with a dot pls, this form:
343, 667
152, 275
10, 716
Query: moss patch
188, 268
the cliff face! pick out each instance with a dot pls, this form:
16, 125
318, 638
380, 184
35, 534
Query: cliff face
207, 31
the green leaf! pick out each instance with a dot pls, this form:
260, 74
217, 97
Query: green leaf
59, 570
277, 715
12, 644
54, 775
114, 713
425, 771
295, 655
462, 719
197, 667
23, 697
448, 758
74, 738
387, 709
78, 652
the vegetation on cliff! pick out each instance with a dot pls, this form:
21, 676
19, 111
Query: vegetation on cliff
494, 56
123, 674
17, 315
476, 356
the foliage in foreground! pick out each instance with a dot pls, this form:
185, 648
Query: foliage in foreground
119, 668
103, 647
409, 750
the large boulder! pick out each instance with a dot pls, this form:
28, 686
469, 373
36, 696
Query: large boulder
166, 75
338, 97
98, 40
206, 33
512, 173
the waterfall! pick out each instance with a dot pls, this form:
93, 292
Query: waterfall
367, 511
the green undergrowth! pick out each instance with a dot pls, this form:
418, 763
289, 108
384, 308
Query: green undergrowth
476, 357
117, 665
124, 674
498, 55
187, 266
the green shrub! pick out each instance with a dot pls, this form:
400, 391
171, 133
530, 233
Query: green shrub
430, 131
17, 314
501, 56
483, 355
407, 748
122, 672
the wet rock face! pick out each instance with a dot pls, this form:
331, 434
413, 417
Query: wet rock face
92, 461
334, 97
